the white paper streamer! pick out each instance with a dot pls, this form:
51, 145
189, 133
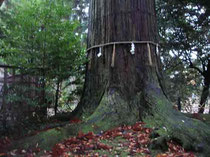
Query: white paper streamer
99, 53
132, 49
157, 49
149, 54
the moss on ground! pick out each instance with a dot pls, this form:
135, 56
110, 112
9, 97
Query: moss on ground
192, 134
202, 117
46, 139
114, 111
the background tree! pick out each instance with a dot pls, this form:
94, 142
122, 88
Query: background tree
81, 14
184, 35
40, 37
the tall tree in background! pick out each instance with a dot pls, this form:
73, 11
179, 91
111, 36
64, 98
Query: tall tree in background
80, 8
122, 82
39, 36
184, 31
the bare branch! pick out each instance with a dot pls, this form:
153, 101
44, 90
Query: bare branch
196, 68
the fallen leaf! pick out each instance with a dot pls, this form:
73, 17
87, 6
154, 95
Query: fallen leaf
3, 154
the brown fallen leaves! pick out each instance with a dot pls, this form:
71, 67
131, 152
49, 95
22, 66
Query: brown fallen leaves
122, 141
136, 141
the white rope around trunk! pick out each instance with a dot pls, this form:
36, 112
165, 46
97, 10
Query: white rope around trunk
122, 42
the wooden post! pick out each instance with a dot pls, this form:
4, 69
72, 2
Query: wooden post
149, 54
5, 87
13, 75
4, 99
113, 56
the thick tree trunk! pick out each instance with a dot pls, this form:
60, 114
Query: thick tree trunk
110, 21
121, 88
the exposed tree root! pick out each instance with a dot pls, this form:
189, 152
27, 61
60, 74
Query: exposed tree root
191, 133
114, 111
157, 112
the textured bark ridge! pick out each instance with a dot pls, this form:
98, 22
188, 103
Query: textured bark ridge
131, 89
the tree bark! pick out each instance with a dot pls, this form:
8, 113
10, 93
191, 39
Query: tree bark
204, 96
179, 103
4, 101
42, 110
129, 74
130, 89
205, 91
57, 97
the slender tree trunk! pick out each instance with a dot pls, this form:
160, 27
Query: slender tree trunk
204, 96
5, 87
121, 88
57, 96
179, 104
43, 106
4, 101
205, 91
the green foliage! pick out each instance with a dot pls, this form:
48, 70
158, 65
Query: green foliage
18, 93
42, 38
40, 35
184, 32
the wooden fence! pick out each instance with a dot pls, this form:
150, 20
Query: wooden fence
13, 83
5, 78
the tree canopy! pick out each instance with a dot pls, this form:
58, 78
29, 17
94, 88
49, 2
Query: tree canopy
40, 35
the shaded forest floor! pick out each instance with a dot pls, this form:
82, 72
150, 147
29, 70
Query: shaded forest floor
133, 140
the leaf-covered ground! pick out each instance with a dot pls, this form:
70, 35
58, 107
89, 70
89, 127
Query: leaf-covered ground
122, 141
